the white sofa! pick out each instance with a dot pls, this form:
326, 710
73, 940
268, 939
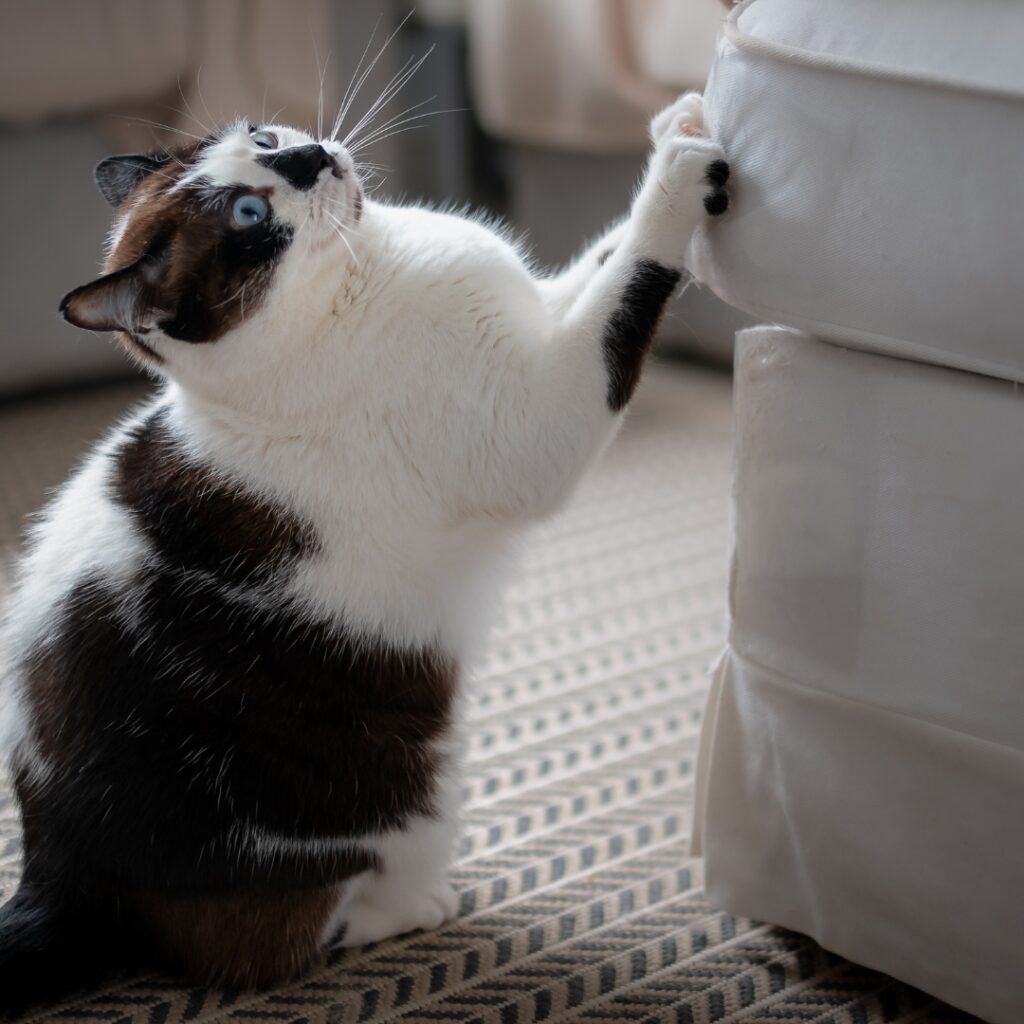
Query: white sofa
862, 768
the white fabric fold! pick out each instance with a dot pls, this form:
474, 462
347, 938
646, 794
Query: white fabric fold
861, 773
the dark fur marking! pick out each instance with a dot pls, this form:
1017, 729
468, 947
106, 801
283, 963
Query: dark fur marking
717, 173
199, 521
117, 176
300, 166
181, 716
274, 934
144, 349
204, 274
186, 714
184, 718
631, 327
716, 202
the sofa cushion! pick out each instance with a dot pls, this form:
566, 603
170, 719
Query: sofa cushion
876, 150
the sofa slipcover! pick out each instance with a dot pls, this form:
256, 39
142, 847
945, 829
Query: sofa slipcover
878, 194
862, 769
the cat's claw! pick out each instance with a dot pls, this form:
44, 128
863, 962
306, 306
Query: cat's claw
684, 117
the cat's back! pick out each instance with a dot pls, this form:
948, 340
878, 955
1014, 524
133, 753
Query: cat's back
83, 531
454, 260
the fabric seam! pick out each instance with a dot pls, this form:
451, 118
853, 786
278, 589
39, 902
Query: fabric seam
821, 59
859, 340
784, 679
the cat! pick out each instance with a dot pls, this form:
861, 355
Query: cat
237, 639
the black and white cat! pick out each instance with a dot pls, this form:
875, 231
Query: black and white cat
236, 642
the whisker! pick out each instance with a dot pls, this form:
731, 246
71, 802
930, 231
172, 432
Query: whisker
362, 79
335, 202
158, 124
322, 73
230, 297
341, 234
400, 131
408, 110
191, 113
342, 107
375, 138
199, 91
320, 105
383, 96
397, 122
397, 83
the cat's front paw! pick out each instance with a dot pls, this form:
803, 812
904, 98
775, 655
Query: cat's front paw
689, 165
376, 915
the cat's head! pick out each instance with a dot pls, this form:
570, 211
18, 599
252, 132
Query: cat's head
203, 232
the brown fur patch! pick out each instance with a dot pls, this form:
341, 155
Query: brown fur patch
212, 273
246, 939
197, 518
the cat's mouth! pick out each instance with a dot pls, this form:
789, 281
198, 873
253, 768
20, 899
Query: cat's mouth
335, 206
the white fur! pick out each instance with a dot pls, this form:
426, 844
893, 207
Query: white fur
82, 532
417, 394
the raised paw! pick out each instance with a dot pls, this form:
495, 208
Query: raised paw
691, 175
679, 137
684, 117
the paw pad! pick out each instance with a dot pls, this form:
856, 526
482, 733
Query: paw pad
716, 202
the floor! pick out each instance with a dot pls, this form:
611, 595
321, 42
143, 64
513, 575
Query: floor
580, 901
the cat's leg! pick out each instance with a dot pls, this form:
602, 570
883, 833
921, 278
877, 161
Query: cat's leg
685, 117
411, 890
562, 289
579, 383
626, 295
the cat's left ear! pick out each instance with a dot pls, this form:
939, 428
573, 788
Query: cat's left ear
125, 300
117, 176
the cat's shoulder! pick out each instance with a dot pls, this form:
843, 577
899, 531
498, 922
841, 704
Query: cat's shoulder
460, 230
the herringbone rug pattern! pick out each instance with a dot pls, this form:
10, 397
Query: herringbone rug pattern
580, 902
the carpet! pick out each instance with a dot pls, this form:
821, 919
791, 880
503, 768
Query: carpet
579, 899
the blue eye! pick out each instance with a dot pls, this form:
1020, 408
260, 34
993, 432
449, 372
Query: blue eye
249, 210
265, 140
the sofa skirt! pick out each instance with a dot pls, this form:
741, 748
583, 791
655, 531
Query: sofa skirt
861, 777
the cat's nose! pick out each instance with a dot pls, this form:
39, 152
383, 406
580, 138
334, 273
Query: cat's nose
300, 166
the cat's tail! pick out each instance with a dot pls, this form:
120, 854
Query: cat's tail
47, 952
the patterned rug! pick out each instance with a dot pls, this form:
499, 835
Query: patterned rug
580, 901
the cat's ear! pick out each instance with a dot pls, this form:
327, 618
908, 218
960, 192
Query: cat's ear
116, 176
125, 300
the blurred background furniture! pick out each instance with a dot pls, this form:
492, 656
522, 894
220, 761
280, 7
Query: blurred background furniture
862, 768
82, 79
